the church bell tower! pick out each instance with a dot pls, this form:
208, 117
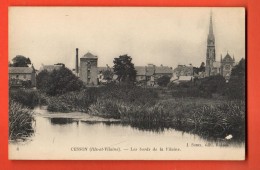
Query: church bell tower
211, 56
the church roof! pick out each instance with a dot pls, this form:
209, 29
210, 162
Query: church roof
227, 58
20, 70
89, 55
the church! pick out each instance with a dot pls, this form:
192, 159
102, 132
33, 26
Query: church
213, 67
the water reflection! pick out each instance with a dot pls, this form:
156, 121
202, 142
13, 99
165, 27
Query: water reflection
143, 126
61, 121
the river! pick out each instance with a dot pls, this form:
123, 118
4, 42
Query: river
79, 136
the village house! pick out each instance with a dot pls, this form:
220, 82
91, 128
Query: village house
20, 76
148, 75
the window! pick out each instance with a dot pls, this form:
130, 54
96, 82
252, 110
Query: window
24, 76
17, 76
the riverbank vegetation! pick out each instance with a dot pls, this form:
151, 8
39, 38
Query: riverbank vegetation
20, 121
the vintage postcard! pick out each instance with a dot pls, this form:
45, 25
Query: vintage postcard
127, 83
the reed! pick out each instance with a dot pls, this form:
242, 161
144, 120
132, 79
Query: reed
206, 118
20, 121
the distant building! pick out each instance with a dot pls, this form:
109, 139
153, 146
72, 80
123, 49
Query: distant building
88, 69
183, 70
182, 79
51, 68
18, 75
148, 75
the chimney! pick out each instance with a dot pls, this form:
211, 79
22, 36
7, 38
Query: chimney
77, 62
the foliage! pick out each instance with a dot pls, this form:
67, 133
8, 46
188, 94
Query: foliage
124, 69
163, 81
20, 61
20, 121
128, 93
73, 101
58, 81
204, 87
106, 108
27, 97
236, 85
200, 69
108, 75
212, 84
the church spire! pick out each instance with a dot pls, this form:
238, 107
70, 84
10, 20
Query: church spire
211, 37
210, 25
210, 55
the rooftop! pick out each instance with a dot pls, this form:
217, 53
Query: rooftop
89, 55
17, 70
50, 68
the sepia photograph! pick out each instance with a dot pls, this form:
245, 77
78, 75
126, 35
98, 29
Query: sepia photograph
127, 83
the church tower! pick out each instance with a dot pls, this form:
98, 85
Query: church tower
211, 56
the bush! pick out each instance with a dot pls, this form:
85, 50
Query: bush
20, 121
163, 81
204, 87
212, 84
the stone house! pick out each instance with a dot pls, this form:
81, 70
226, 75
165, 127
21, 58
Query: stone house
19, 75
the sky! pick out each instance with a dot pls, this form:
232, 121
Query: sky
150, 35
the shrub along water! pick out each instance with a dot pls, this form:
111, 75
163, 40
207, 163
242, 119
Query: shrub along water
20, 121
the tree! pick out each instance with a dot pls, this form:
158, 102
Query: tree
124, 69
20, 61
163, 81
199, 69
58, 81
202, 67
236, 85
212, 84
108, 75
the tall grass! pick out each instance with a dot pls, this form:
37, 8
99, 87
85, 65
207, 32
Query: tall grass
82, 100
72, 101
20, 121
28, 97
207, 119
